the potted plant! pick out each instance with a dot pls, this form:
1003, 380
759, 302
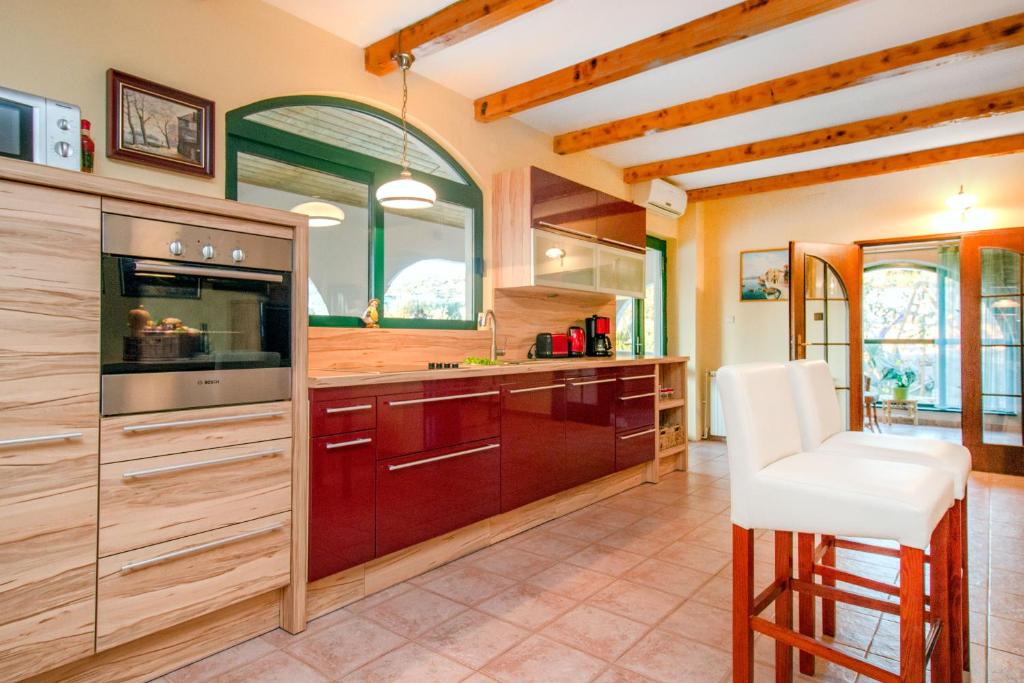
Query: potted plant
902, 379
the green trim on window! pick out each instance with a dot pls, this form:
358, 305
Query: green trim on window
661, 245
244, 136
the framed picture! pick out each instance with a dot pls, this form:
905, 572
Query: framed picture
151, 124
764, 275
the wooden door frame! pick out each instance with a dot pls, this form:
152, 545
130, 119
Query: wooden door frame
840, 262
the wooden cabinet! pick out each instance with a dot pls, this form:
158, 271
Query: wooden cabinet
49, 415
342, 493
442, 415
590, 425
533, 439
429, 494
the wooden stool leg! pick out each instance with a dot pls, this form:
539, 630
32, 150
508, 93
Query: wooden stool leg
965, 586
911, 615
939, 568
805, 601
956, 597
784, 605
742, 604
828, 607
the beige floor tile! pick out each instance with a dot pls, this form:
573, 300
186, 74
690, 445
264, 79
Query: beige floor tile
371, 601
548, 544
631, 540
469, 585
272, 668
584, 531
668, 577
473, 638
1004, 666
605, 559
540, 659
479, 678
414, 612
514, 563
633, 601
694, 556
1007, 605
636, 505
716, 592
346, 647
222, 662
617, 675
595, 631
281, 639
1006, 635
410, 663
703, 623
607, 516
527, 606
669, 658
571, 581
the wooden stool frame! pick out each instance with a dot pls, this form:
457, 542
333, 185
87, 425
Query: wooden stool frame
913, 609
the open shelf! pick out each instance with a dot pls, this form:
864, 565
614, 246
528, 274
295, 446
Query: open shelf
671, 403
672, 451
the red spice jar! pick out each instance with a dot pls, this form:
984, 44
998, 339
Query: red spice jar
88, 147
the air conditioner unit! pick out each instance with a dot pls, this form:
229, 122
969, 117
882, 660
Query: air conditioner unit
661, 196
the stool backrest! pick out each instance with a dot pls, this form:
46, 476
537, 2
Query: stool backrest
815, 393
761, 424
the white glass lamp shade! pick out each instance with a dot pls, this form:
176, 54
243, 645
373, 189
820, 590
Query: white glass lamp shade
961, 201
321, 214
406, 193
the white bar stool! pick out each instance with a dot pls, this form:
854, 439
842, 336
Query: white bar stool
822, 430
775, 485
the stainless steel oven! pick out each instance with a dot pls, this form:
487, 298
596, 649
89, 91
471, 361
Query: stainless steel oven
192, 316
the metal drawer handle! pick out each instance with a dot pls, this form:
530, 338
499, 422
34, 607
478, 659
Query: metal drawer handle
543, 388
621, 244
630, 398
345, 444
201, 421
562, 228
200, 463
435, 399
192, 550
626, 379
348, 409
643, 433
41, 439
488, 447
593, 381
203, 271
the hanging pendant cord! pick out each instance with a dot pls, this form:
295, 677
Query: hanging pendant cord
404, 64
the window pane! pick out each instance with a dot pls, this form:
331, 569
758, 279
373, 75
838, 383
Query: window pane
1000, 271
1001, 420
338, 254
922, 359
1000, 370
428, 263
624, 318
654, 303
900, 303
1000, 320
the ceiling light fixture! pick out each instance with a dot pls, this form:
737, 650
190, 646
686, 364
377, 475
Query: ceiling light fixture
404, 192
555, 252
321, 214
961, 201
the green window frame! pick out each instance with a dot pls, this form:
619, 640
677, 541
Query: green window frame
639, 341
249, 137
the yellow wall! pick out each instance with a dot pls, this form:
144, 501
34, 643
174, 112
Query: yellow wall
895, 205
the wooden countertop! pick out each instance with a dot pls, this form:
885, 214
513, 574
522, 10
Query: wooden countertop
326, 379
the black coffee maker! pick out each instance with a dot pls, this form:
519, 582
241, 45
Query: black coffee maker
598, 342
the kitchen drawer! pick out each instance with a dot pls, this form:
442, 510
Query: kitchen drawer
147, 590
633, 448
129, 437
143, 502
428, 494
634, 406
341, 495
346, 415
416, 422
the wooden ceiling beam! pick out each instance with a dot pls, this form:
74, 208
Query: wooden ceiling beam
975, 40
1009, 144
859, 131
743, 20
451, 25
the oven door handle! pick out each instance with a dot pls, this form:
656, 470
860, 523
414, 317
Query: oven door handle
160, 268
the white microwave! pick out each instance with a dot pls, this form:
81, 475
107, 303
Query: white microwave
39, 130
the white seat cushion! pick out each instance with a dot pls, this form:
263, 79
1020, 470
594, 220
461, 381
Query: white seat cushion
843, 496
951, 458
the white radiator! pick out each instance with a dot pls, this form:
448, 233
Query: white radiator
714, 421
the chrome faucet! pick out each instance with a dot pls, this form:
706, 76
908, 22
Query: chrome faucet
481, 322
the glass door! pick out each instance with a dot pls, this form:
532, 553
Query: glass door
992, 294
825, 316
562, 261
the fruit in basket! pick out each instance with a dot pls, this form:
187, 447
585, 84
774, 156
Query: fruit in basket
138, 320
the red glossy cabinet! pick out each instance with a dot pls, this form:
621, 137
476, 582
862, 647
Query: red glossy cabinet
589, 426
422, 421
634, 407
341, 511
533, 439
621, 223
343, 415
428, 494
634, 448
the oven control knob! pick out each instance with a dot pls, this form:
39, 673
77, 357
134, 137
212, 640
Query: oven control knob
176, 248
63, 124
208, 252
237, 255
63, 149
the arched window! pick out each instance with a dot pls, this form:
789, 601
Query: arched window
425, 266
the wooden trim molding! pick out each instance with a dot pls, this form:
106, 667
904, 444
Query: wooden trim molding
448, 26
729, 25
972, 41
967, 109
1008, 144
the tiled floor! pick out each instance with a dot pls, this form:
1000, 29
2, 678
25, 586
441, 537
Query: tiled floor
635, 588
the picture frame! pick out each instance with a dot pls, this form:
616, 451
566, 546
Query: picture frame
764, 275
156, 125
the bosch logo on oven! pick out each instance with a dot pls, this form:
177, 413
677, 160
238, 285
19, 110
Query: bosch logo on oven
202, 382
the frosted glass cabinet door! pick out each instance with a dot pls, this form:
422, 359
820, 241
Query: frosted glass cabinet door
620, 272
560, 261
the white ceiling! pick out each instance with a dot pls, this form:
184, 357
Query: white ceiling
567, 31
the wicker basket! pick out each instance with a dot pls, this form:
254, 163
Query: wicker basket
670, 436
152, 347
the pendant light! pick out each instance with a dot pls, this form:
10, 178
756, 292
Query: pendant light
404, 192
321, 214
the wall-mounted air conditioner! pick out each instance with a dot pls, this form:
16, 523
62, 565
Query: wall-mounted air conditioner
661, 197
